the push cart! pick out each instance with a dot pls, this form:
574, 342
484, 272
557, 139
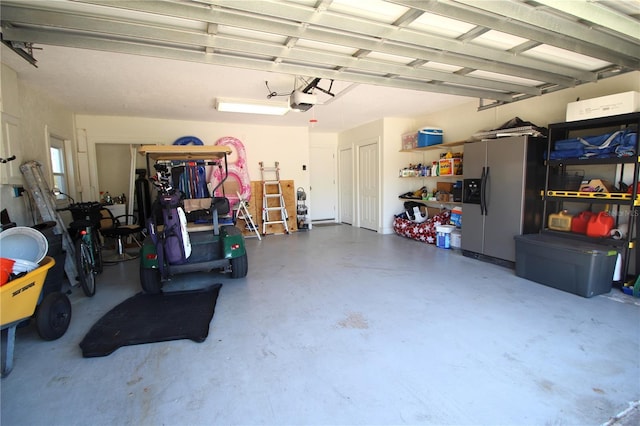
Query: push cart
23, 298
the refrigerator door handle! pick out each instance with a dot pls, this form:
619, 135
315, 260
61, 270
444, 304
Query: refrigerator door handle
484, 191
482, 208
484, 195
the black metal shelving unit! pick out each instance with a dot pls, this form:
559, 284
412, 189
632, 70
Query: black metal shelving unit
555, 198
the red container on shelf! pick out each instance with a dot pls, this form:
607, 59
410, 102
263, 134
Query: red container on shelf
600, 225
579, 222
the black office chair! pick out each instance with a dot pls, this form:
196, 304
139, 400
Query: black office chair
118, 228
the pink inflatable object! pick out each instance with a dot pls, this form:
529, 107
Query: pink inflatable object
237, 171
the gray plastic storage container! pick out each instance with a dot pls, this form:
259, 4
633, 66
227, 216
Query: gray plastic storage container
570, 265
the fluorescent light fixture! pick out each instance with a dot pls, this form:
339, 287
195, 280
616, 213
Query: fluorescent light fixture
252, 106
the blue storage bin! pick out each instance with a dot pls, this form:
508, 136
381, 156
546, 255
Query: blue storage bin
429, 136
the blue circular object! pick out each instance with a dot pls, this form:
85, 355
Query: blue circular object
187, 140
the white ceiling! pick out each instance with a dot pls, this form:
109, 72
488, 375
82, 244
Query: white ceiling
171, 59
105, 83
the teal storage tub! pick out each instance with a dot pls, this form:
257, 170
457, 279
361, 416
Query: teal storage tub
429, 136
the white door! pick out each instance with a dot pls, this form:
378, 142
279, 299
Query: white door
323, 183
346, 186
368, 186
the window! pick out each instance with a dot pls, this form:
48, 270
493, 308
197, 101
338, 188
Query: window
58, 166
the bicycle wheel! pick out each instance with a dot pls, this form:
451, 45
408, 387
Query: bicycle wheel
85, 269
97, 252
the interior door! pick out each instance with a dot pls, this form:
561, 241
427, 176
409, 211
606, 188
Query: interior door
323, 183
346, 185
368, 187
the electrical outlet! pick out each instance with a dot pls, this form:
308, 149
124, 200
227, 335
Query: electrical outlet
18, 191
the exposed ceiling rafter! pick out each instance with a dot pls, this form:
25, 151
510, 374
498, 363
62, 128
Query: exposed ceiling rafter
324, 40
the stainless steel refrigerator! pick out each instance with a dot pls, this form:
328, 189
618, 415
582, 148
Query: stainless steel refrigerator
501, 196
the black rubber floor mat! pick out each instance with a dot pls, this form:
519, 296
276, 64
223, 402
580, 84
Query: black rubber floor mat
148, 318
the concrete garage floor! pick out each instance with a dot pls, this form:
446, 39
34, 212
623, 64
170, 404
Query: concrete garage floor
343, 326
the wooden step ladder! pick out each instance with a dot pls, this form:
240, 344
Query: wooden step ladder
272, 198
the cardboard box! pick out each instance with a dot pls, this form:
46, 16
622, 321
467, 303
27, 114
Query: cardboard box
433, 211
450, 167
596, 185
456, 217
604, 106
445, 187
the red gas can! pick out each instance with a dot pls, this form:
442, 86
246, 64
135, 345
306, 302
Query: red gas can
600, 225
579, 222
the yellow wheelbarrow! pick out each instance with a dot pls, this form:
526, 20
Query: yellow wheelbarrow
23, 298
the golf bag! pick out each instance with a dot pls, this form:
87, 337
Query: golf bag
174, 238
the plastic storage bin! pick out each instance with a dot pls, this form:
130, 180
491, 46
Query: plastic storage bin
410, 140
429, 136
443, 236
573, 266
456, 239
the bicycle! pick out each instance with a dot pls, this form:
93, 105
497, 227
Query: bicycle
84, 232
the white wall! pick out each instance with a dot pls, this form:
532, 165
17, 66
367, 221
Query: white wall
392, 161
459, 123
462, 121
9, 94
10, 105
323, 139
287, 145
38, 116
